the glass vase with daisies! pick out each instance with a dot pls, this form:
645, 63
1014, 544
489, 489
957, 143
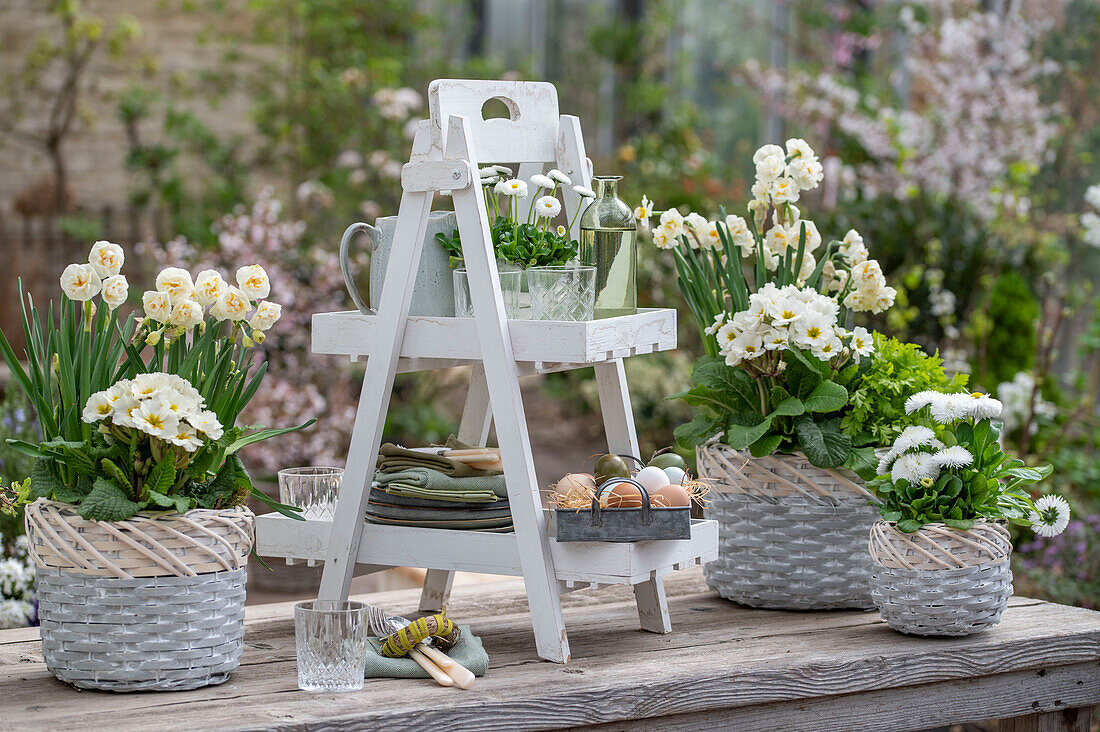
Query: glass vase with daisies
942, 551
774, 305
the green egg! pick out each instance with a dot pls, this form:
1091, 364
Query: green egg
668, 460
610, 466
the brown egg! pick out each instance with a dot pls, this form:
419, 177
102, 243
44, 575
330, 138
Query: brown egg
671, 496
623, 495
573, 481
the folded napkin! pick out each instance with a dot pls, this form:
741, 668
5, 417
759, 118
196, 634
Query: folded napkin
427, 483
468, 651
394, 459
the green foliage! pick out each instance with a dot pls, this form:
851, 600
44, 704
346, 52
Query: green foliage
876, 407
1006, 337
524, 244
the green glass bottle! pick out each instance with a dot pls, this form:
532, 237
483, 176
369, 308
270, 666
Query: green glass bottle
609, 235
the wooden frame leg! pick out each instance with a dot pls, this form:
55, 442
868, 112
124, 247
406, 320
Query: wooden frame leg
618, 422
477, 418
1078, 719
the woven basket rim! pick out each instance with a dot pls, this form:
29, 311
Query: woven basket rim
147, 514
938, 546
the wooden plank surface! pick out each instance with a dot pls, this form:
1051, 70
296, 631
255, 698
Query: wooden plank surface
721, 665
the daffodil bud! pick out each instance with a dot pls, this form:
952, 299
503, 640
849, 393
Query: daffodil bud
153, 338
56, 364
247, 342
259, 336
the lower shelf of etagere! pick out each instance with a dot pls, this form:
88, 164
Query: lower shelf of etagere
599, 563
539, 346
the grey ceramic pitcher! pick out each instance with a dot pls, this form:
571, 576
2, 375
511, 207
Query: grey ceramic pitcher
433, 290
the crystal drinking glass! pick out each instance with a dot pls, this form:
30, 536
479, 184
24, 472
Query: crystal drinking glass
511, 288
562, 292
314, 490
331, 640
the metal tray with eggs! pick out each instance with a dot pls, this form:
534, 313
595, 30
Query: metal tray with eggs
623, 520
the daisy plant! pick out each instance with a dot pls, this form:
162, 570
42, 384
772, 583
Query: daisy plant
526, 241
774, 306
140, 412
963, 475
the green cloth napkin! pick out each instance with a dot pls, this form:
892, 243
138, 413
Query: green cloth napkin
468, 651
426, 483
394, 459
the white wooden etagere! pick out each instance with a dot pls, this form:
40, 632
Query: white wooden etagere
447, 152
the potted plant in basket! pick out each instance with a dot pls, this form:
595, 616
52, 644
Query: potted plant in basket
774, 305
134, 508
941, 552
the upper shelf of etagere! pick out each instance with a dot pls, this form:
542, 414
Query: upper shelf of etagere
546, 343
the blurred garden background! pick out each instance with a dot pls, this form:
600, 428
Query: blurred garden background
960, 138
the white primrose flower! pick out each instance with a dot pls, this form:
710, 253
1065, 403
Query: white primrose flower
115, 291
186, 437
153, 417
861, 342
719, 321
186, 314
514, 187
207, 423
266, 315
231, 305
98, 407
177, 283
80, 282
956, 456
157, 305
643, 212
1050, 517
209, 286
584, 192
253, 282
106, 258
983, 406
812, 329
147, 386
547, 207
560, 177
541, 181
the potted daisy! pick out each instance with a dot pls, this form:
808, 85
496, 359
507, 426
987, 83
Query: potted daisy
941, 552
775, 306
134, 511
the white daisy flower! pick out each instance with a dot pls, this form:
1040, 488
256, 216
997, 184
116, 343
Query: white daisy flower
503, 170
914, 467
921, 399
515, 187
953, 457
983, 406
541, 181
547, 207
913, 437
1050, 517
584, 192
560, 177
950, 408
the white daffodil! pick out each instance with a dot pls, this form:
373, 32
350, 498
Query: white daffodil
674, 221
665, 236
740, 235
177, 283
783, 190
770, 168
1050, 517
695, 225
541, 181
853, 248
209, 285
106, 258
266, 315
766, 151
560, 177
547, 207
253, 282
514, 187
644, 212
80, 282
98, 407
157, 305
231, 305
115, 290
186, 314
797, 148
584, 192
806, 172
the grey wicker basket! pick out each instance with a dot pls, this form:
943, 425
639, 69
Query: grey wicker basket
141, 634
941, 581
791, 536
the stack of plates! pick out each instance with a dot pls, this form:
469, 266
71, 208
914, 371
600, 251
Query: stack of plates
384, 508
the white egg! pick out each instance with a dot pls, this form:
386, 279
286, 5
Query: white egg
652, 478
675, 475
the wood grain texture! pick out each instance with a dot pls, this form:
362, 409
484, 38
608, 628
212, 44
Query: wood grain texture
1063, 720
723, 666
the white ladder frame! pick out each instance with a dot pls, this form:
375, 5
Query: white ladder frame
444, 159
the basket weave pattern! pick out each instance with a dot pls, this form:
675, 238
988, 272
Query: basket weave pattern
941, 581
791, 535
150, 603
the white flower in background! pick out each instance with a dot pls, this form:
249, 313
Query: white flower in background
15, 614
253, 282
740, 235
807, 173
157, 305
514, 187
665, 236
719, 321
695, 225
560, 177
783, 190
766, 151
541, 181
547, 207
98, 407
835, 279
1092, 196
771, 168
153, 417
981, 406
861, 342
231, 305
674, 222
956, 456
80, 282
853, 248
643, 212
177, 283
186, 314
913, 437
1091, 223
266, 315
1050, 517
115, 291
106, 258
349, 159
209, 286
1016, 396
207, 423
942, 302
584, 192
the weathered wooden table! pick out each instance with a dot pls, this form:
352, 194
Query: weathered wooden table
724, 667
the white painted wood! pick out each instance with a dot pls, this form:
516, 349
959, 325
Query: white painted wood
434, 175
650, 329
573, 161
528, 137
